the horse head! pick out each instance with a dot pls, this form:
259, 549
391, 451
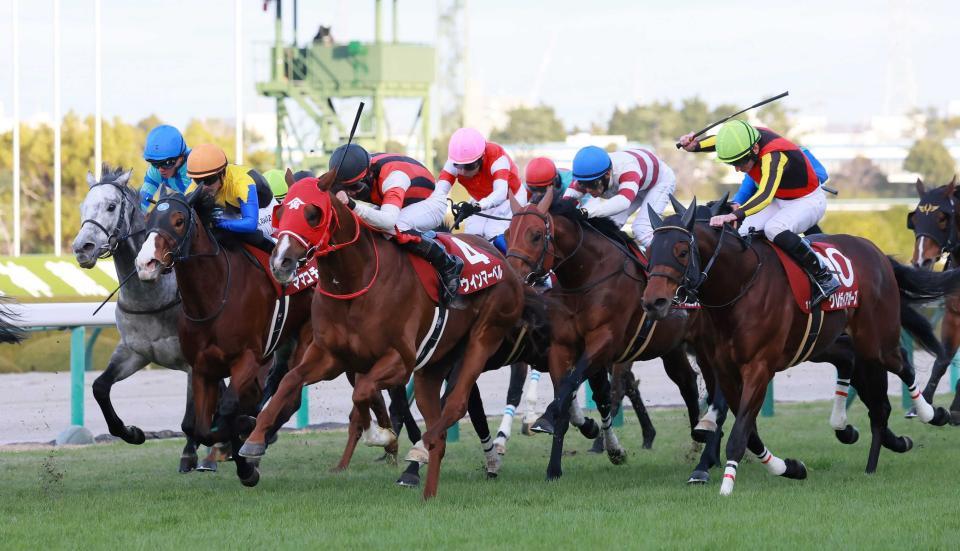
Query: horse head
305, 222
674, 260
935, 224
109, 213
529, 238
172, 232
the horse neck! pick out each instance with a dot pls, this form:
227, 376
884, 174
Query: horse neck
583, 253
733, 268
195, 273
351, 264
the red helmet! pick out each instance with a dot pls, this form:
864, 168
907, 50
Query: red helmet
540, 172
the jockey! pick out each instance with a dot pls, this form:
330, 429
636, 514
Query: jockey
621, 183
748, 187
541, 172
788, 199
396, 194
277, 180
487, 173
239, 190
167, 153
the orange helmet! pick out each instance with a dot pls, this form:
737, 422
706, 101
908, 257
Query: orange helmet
540, 172
205, 160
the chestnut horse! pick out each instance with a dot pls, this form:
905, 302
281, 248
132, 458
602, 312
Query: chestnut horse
600, 283
370, 324
936, 227
228, 304
742, 288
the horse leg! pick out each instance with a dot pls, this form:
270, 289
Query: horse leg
870, 380
564, 395
756, 376
678, 368
518, 374
710, 457
950, 337
317, 365
427, 387
530, 403
631, 389
600, 383
478, 418
787, 468
206, 393
387, 372
617, 374
353, 436
936, 416
124, 362
842, 356
188, 457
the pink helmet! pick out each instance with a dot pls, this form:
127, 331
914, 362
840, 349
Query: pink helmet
466, 146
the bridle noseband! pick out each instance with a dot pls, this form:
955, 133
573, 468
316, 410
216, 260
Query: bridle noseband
114, 237
548, 260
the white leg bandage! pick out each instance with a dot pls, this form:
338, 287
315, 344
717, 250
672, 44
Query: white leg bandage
838, 417
924, 410
506, 422
729, 478
774, 464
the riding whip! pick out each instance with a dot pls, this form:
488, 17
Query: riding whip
725, 119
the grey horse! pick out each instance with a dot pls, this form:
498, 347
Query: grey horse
147, 312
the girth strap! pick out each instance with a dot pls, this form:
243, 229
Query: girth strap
812, 331
640, 340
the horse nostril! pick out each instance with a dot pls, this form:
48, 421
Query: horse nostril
285, 263
660, 303
88, 247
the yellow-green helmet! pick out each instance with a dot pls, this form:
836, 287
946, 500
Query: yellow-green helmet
278, 183
735, 139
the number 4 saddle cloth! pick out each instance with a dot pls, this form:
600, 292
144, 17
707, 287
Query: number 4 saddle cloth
481, 268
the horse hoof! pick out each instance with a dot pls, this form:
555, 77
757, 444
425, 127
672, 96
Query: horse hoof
699, 478
954, 417
337, 469
134, 435
796, 470
542, 425
554, 476
251, 480
911, 413
849, 435
207, 466
525, 429
648, 442
491, 475
940, 417
388, 458
408, 480
272, 438
188, 463
701, 435
909, 444
252, 450
589, 429
597, 446
618, 457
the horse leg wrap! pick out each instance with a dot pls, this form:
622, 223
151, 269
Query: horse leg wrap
838, 416
708, 423
729, 478
589, 429
774, 464
506, 423
418, 454
577, 418
377, 436
531, 399
492, 461
924, 410
615, 452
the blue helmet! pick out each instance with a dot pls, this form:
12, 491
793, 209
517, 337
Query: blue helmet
590, 163
164, 142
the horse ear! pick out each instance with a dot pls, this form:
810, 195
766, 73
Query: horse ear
655, 220
124, 178
677, 205
718, 205
91, 181
544, 205
288, 177
952, 186
921, 191
514, 204
690, 216
325, 181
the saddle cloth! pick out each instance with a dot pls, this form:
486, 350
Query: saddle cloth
848, 296
305, 278
480, 268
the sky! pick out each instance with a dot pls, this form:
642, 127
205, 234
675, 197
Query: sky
847, 61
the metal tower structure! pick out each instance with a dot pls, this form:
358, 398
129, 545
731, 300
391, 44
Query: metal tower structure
451, 63
313, 76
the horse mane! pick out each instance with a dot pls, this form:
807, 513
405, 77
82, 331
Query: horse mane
9, 333
569, 209
112, 176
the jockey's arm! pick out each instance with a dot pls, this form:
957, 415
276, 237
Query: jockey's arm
385, 218
500, 172
249, 213
573, 191
629, 186
707, 144
772, 166
149, 188
446, 179
747, 189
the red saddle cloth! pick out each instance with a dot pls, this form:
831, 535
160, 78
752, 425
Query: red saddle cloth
305, 278
848, 296
480, 269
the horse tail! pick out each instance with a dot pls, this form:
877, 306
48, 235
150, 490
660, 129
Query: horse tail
920, 328
537, 320
9, 333
919, 286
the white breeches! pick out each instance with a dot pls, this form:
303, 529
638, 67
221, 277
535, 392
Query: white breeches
657, 197
423, 216
796, 215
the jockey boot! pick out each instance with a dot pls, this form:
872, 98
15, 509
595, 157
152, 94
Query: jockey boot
447, 266
826, 283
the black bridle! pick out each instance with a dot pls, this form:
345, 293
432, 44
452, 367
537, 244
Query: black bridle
181, 252
948, 240
538, 269
115, 236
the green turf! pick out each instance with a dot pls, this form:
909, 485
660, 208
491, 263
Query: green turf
123, 497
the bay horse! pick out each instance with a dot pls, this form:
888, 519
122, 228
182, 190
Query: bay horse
369, 324
600, 284
936, 228
147, 311
225, 322
743, 287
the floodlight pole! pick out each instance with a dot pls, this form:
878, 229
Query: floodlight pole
57, 176
238, 80
98, 110
16, 127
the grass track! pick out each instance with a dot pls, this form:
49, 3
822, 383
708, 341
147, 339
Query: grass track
128, 497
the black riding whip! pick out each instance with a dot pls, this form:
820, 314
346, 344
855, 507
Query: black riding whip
353, 130
723, 120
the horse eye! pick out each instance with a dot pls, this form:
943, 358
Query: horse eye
112, 207
537, 237
178, 222
684, 253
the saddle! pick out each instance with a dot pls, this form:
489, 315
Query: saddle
480, 269
848, 296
